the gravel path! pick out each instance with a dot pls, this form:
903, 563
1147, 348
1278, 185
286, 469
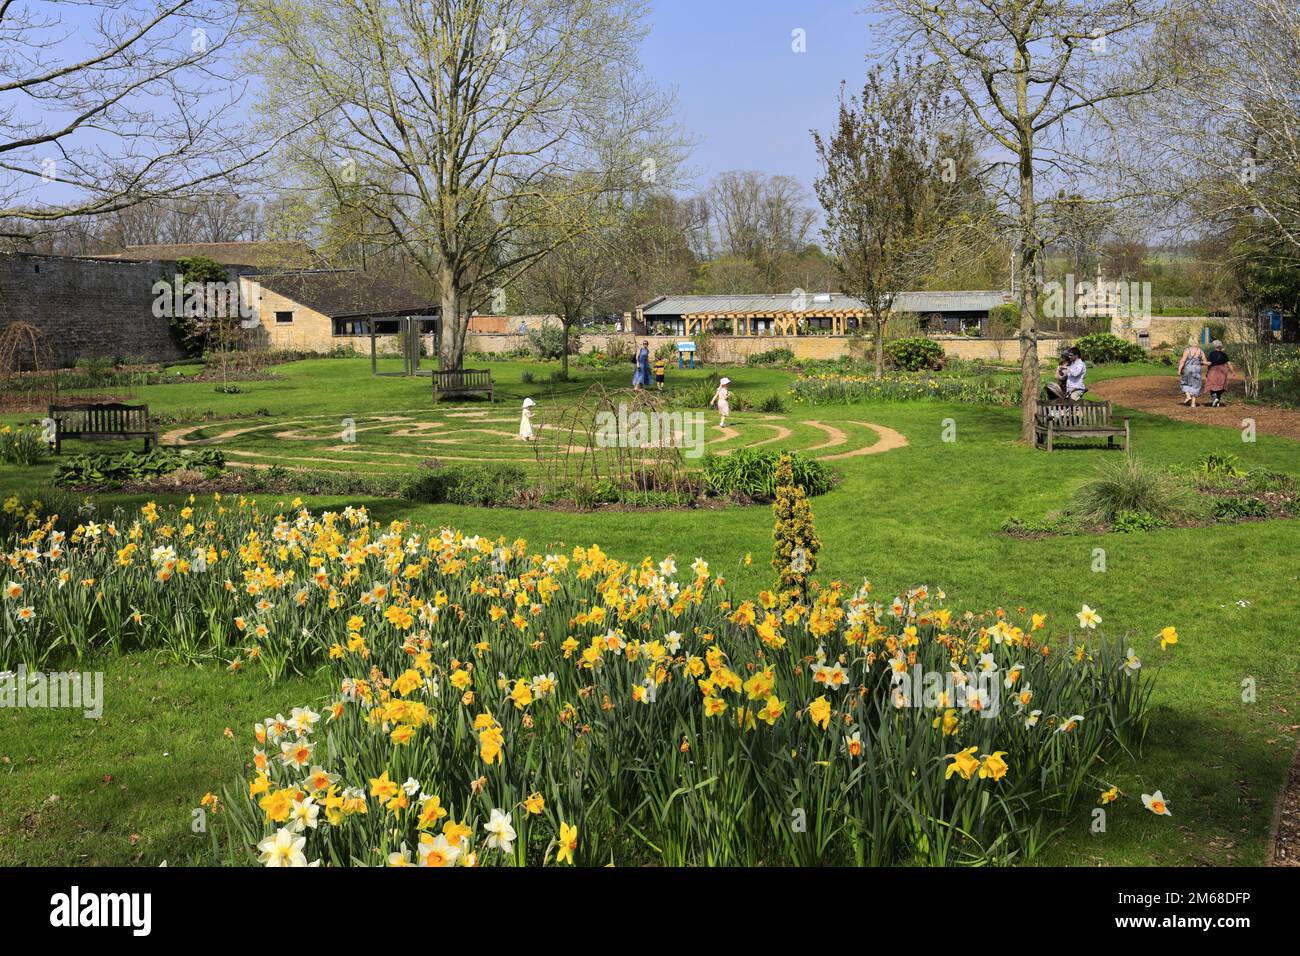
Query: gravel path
1159, 395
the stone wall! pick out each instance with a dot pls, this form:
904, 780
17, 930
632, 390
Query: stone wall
1171, 331
88, 308
734, 350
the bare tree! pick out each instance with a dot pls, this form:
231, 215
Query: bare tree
1223, 145
758, 218
108, 103
577, 277
1037, 76
445, 119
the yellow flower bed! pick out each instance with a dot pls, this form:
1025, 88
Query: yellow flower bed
499, 705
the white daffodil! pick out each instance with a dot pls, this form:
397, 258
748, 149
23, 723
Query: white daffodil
500, 832
1155, 802
283, 849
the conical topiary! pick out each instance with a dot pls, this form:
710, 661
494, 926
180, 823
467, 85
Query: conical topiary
794, 537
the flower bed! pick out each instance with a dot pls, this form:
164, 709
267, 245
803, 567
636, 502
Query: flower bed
496, 705
838, 389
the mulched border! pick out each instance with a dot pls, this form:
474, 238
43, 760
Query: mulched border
1284, 834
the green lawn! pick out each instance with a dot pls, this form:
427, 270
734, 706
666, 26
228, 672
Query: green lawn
927, 513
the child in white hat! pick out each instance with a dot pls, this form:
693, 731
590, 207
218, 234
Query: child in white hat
721, 398
526, 421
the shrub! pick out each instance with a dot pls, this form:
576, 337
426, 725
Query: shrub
794, 536
1127, 522
619, 350
773, 404
698, 395
1130, 486
547, 341
1103, 347
131, 466
751, 473
915, 354
1236, 507
1274, 481
1221, 463
22, 444
777, 356
480, 485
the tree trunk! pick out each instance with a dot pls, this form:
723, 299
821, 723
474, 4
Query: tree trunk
1028, 244
451, 343
564, 350
880, 347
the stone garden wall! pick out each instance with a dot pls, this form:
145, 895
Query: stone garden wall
88, 308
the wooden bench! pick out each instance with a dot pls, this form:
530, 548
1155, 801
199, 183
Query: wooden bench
107, 420
460, 382
1082, 419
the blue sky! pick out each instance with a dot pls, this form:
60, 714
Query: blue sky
748, 100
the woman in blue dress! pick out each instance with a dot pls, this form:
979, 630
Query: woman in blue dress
642, 374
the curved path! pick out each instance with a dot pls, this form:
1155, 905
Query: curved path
477, 435
1159, 395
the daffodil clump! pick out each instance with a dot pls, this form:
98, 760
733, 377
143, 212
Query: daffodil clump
835, 388
497, 705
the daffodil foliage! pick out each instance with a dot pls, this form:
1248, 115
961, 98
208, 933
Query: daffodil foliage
496, 705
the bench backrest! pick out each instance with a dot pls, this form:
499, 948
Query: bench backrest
1083, 414
462, 378
104, 419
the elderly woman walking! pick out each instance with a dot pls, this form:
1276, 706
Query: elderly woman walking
1191, 372
1216, 380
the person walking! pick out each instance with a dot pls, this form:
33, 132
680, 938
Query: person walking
660, 366
722, 398
1217, 378
1191, 372
526, 421
641, 377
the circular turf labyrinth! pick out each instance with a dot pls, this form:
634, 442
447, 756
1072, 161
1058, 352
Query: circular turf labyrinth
400, 440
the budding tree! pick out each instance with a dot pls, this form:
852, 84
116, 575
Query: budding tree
446, 119
1035, 75
895, 183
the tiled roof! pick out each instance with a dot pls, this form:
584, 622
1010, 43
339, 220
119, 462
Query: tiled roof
284, 254
343, 294
819, 303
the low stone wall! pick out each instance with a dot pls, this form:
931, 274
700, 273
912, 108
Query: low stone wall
1173, 331
736, 349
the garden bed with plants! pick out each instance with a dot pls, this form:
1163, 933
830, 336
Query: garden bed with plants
496, 705
1128, 496
743, 477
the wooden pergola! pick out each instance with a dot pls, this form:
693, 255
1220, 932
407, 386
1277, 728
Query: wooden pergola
784, 322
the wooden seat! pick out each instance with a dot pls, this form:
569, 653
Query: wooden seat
98, 421
1082, 419
460, 382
